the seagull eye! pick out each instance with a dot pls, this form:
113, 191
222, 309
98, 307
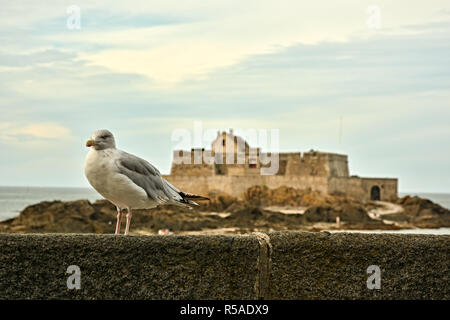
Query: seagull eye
104, 136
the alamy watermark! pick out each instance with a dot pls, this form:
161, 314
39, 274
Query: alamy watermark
74, 280
239, 146
374, 19
74, 20
374, 280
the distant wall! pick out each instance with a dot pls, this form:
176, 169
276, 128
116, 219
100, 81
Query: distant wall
360, 187
236, 185
293, 163
190, 163
197, 163
337, 165
388, 187
314, 164
318, 171
280, 265
351, 186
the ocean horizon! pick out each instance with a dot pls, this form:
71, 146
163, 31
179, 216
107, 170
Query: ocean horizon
14, 199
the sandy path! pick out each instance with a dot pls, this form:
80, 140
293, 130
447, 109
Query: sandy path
386, 208
287, 210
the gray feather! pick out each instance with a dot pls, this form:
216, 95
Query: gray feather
146, 176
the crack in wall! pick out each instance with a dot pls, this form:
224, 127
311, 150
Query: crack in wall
264, 265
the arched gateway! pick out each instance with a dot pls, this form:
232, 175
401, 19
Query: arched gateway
375, 193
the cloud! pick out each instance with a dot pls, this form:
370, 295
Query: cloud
44, 130
42, 56
182, 40
33, 133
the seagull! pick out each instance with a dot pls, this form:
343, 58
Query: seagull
128, 181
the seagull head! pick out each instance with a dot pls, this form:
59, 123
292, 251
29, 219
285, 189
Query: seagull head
101, 139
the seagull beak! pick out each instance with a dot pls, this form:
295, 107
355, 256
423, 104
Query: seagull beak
90, 143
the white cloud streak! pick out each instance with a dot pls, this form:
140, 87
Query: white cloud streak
215, 35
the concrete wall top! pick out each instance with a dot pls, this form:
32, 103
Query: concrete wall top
279, 265
129, 267
334, 266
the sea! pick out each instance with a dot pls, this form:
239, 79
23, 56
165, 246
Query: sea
14, 199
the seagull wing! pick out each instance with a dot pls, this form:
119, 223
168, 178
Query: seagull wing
146, 176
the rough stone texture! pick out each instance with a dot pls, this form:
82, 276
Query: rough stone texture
334, 266
132, 267
279, 265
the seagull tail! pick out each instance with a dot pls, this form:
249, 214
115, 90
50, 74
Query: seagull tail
188, 197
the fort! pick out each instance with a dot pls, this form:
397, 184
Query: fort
232, 166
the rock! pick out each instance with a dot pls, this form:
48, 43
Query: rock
288, 196
219, 201
424, 213
347, 213
243, 215
257, 195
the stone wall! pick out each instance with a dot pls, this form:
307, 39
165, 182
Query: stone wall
334, 266
314, 164
190, 163
280, 265
320, 171
293, 163
360, 188
195, 162
351, 186
337, 165
388, 187
236, 185
131, 267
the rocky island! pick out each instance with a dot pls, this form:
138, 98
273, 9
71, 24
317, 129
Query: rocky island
258, 209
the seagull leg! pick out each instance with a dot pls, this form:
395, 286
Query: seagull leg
129, 215
119, 219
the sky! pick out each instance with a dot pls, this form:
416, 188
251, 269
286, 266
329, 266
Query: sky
144, 69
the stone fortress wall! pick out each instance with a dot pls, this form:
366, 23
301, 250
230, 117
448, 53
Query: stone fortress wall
232, 166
